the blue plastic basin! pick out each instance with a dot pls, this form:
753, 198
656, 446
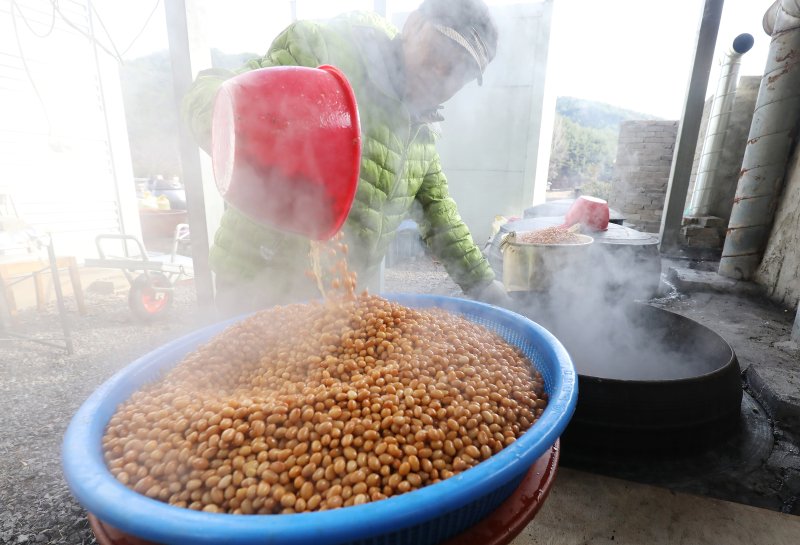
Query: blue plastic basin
423, 517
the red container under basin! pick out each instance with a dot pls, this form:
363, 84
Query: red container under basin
286, 147
499, 528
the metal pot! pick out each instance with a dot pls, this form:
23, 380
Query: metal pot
537, 267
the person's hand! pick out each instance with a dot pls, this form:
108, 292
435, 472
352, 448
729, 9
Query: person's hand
493, 293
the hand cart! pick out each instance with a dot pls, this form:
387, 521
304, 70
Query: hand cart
152, 277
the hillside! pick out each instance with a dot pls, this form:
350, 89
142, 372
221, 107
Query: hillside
584, 144
596, 115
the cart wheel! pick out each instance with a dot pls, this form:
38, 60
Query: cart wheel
147, 303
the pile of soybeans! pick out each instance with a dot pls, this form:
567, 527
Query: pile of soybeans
550, 235
316, 406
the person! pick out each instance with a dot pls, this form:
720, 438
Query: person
400, 81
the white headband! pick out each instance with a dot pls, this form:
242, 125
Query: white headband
478, 50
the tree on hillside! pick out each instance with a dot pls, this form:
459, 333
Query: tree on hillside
584, 143
580, 154
559, 149
597, 115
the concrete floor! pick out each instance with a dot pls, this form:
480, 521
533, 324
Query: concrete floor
758, 330
584, 508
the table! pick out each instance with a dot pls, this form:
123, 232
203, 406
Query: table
14, 271
22, 268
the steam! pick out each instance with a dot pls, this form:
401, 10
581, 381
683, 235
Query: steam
594, 307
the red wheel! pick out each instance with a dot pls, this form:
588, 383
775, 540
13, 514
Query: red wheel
148, 297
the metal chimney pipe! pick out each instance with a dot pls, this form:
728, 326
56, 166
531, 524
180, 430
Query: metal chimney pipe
769, 144
702, 201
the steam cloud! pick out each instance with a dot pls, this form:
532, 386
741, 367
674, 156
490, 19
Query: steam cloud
595, 309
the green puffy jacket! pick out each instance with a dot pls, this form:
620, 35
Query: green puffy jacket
399, 161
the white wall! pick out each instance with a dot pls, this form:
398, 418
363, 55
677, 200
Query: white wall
64, 153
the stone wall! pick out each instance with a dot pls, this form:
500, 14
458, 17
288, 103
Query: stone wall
641, 172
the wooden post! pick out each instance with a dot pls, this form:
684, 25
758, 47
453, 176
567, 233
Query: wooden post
77, 287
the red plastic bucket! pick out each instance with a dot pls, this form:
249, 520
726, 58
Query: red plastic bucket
499, 528
286, 147
589, 211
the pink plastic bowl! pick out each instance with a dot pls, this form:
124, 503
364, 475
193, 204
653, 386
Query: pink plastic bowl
589, 211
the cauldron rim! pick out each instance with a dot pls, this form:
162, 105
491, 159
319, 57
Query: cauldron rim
730, 355
627, 415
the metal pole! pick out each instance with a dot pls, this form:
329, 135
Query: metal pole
62, 309
178, 13
689, 126
796, 328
